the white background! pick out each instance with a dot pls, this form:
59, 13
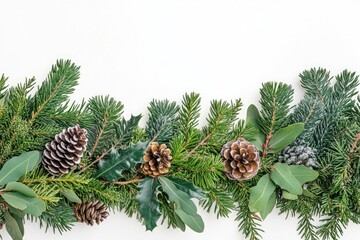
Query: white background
139, 50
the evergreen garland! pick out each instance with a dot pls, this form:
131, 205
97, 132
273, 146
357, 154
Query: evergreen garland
111, 169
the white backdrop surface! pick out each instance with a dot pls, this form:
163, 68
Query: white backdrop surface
139, 50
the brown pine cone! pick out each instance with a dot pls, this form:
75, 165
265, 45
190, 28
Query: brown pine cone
91, 212
157, 160
241, 159
64, 153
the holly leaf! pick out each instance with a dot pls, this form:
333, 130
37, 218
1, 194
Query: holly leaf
284, 136
125, 129
182, 199
261, 194
303, 174
12, 226
194, 221
269, 206
283, 177
187, 187
112, 168
18, 166
70, 195
21, 188
148, 202
30, 205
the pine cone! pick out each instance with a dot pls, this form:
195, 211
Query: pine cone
241, 159
299, 153
157, 160
90, 212
64, 153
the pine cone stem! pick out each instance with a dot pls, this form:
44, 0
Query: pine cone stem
203, 142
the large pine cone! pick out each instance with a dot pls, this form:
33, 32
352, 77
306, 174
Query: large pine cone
241, 159
157, 160
64, 153
91, 212
299, 153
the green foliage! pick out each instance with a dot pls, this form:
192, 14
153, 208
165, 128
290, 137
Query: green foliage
125, 130
283, 177
149, 205
275, 102
163, 116
112, 167
12, 226
284, 136
19, 166
106, 115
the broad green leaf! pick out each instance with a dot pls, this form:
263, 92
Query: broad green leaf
148, 203
253, 116
20, 222
181, 198
18, 166
70, 195
12, 226
180, 223
303, 174
30, 205
289, 196
283, 177
308, 193
21, 188
16, 212
259, 141
194, 222
112, 168
261, 194
269, 206
285, 136
187, 187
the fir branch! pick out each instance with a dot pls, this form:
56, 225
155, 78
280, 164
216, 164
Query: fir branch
163, 117
316, 82
189, 115
275, 102
54, 91
106, 114
218, 200
3, 86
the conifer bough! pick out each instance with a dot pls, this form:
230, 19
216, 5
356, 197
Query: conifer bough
308, 152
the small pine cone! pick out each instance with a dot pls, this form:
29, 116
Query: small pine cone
241, 159
299, 153
64, 153
157, 160
90, 212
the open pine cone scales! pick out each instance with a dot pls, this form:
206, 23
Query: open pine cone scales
64, 153
241, 159
157, 160
91, 212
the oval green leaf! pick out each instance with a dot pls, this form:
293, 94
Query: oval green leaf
289, 196
18, 166
260, 195
285, 136
12, 226
269, 206
21, 188
283, 177
194, 222
70, 195
303, 174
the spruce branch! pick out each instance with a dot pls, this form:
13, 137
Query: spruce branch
316, 82
3, 86
163, 117
54, 91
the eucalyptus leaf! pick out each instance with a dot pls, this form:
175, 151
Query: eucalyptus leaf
269, 206
12, 226
194, 222
70, 195
30, 205
289, 196
149, 204
285, 136
180, 222
309, 194
187, 187
112, 167
21, 188
303, 174
20, 221
283, 177
261, 194
17, 167
181, 198
253, 116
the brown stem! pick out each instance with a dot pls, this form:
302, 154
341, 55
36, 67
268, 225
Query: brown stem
154, 138
98, 158
99, 136
126, 182
266, 145
203, 142
354, 145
